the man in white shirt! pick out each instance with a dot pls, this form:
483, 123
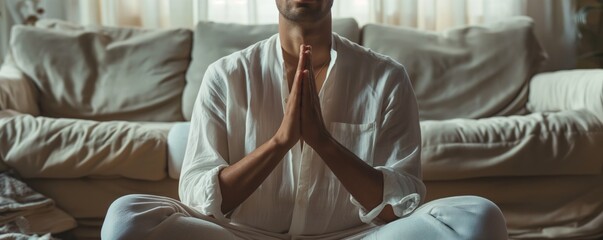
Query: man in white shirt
305, 135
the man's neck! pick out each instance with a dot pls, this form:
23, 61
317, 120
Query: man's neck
318, 35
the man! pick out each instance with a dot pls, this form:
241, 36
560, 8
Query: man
304, 135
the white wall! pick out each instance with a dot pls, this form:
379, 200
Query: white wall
3, 30
556, 30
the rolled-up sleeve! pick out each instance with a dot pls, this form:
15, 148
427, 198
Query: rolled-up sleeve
207, 148
398, 150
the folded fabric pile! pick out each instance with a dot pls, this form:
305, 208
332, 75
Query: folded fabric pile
26, 214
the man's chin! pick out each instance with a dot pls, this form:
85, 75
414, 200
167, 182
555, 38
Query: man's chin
303, 15
304, 11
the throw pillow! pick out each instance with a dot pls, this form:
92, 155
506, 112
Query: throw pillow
467, 72
105, 73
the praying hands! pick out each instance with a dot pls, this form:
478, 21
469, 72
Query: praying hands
303, 121
303, 116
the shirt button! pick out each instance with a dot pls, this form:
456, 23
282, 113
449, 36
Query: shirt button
287, 98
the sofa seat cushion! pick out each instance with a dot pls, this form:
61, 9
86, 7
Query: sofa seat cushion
216, 40
105, 73
40, 147
540, 144
466, 72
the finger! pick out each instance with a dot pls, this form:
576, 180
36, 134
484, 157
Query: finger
302, 59
309, 65
306, 89
311, 95
294, 99
303, 80
297, 81
311, 84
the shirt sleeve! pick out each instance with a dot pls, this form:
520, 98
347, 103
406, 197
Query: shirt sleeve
207, 148
398, 150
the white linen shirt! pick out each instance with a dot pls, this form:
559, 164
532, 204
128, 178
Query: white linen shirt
368, 106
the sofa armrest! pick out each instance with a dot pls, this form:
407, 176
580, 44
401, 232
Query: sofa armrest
41, 147
176, 144
567, 90
16, 92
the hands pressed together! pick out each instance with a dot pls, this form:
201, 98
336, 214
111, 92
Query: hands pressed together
303, 121
303, 117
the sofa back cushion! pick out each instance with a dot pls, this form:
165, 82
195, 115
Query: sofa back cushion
468, 72
216, 40
105, 73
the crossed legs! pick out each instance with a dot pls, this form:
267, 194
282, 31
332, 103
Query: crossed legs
155, 217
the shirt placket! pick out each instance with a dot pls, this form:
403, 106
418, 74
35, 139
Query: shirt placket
304, 165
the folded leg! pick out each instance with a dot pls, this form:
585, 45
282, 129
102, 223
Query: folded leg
155, 217
465, 217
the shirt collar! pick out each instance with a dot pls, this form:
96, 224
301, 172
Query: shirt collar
281, 60
279, 70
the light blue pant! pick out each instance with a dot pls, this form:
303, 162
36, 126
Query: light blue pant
154, 217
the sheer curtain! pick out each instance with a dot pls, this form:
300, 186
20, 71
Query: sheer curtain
423, 14
554, 18
429, 14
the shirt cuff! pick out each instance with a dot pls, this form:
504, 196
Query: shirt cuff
211, 200
394, 195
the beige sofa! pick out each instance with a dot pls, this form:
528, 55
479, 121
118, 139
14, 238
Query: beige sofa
86, 114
